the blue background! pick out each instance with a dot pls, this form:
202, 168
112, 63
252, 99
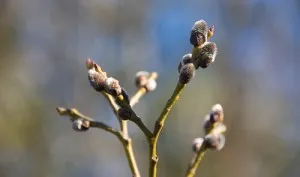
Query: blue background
43, 48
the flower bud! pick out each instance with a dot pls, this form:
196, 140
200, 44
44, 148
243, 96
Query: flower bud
187, 73
187, 58
151, 85
215, 141
89, 63
217, 114
199, 33
112, 86
214, 118
124, 113
208, 125
81, 125
197, 143
217, 107
204, 55
141, 78
97, 80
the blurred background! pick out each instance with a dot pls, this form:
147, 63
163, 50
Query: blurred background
43, 48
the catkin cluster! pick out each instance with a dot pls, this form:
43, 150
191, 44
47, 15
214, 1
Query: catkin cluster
203, 53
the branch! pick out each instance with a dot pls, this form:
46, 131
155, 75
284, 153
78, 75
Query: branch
115, 107
142, 90
134, 118
196, 161
111, 102
74, 114
117, 98
136, 97
214, 138
127, 142
159, 126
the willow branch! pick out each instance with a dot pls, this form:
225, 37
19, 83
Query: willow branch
127, 142
136, 97
134, 118
111, 102
74, 114
191, 171
115, 107
159, 126
216, 128
141, 91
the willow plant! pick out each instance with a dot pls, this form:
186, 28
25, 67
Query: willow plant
202, 55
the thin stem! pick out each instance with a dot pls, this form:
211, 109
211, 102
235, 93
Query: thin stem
134, 117
141, 91
105, 127
196, 161
127, 145
136, 97
194, 164
159, 126
111, 102
75, 114
115, 107
126, 142
138, 121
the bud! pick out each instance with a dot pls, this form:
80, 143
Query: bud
112, 86
208, 125
214, 118
151, 85
141, 78
89, 64
197, 143
217, 114
81, 125
199, 33
211, 32
204, 55
187, 58
124, 113
97, 80
215, 141
187, 73
217, 107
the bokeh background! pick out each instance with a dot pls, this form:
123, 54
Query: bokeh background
43, 48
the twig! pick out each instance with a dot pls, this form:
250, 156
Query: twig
135, 99
127, 144
123, 123
141, 91
74, 114
196, 161
134, 118
138, 121
115, 107
217, 128
159, 126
